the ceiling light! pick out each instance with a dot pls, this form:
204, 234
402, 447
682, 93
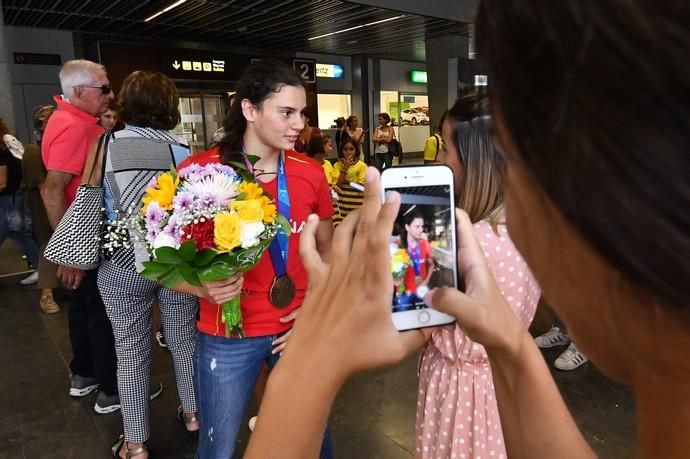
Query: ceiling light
358, 27
165, 10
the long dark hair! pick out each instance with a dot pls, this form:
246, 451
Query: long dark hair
258, 82
606, 134
409, 218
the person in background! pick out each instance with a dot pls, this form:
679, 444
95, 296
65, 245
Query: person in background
451, 360
327, 145
316, 150
349, 169
572, 357
14, 217
356, 133
306, 135
596, 165
434, 144
136, 155
110, 120
341, 132
34, 173
70, 134
265, 121
383, 135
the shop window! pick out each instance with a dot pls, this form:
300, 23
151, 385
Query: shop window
332, 106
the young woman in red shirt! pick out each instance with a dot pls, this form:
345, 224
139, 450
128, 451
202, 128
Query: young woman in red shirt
265, 120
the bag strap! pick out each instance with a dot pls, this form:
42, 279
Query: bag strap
100, 151
438, 145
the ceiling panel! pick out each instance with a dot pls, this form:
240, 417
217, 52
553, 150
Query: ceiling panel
284, 25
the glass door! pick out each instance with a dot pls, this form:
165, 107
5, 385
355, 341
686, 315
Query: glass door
201, 115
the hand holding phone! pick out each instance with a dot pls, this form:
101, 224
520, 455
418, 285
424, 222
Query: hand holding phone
424, 231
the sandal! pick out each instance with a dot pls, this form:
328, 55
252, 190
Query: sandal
129, 453
185, 420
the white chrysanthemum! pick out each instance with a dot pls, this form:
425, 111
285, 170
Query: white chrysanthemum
165, 240
249, 236
221, 186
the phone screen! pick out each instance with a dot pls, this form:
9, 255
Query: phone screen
422, 245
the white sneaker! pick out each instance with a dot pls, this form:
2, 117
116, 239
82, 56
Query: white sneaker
32, 279
570, 359
552, 338
252, 423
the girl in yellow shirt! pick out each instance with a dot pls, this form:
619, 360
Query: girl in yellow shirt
349, 169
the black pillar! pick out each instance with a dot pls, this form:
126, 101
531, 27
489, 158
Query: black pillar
361, 98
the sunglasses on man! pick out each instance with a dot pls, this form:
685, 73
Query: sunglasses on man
105, 89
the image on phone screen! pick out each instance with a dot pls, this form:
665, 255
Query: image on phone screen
422, 252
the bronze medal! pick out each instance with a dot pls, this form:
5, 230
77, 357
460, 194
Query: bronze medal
282, 291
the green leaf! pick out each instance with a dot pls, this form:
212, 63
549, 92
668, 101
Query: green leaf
238, 166
241, 197
149, 274
172, 280
247, 177
168, 255
173, 171
284, 224
155, 267
204, 257
187, 251
189, 275
253, 159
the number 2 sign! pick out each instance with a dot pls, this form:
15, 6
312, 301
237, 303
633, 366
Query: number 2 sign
305, 69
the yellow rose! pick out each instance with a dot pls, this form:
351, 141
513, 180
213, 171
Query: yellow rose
227, 229
252, 190
250, 210
270, 213
163, 193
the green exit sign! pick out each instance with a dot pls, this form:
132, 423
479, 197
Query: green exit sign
418, 76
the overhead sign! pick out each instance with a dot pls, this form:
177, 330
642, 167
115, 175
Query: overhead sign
481, 80
418, 76
329, 71
214, 65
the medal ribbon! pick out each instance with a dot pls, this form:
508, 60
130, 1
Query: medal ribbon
416, 257
280, 245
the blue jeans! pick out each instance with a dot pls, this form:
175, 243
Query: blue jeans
13, 224
226, 371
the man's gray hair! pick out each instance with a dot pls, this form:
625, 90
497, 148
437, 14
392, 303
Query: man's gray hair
77, 72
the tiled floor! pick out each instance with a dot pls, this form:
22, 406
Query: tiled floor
373, 416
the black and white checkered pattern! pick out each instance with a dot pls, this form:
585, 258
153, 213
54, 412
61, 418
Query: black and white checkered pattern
75, 242
128, 300
135, 157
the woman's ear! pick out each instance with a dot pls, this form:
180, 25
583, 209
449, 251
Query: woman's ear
248, 110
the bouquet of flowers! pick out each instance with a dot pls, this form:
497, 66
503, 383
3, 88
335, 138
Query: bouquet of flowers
207, 223
400, 261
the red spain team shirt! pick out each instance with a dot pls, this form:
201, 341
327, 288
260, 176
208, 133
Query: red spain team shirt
309, 194
424, 254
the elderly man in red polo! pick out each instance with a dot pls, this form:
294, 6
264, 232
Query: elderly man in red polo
69, 136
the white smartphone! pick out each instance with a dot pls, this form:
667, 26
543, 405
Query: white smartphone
423, 243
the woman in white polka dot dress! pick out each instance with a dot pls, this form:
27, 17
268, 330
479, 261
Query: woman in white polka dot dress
457, 413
